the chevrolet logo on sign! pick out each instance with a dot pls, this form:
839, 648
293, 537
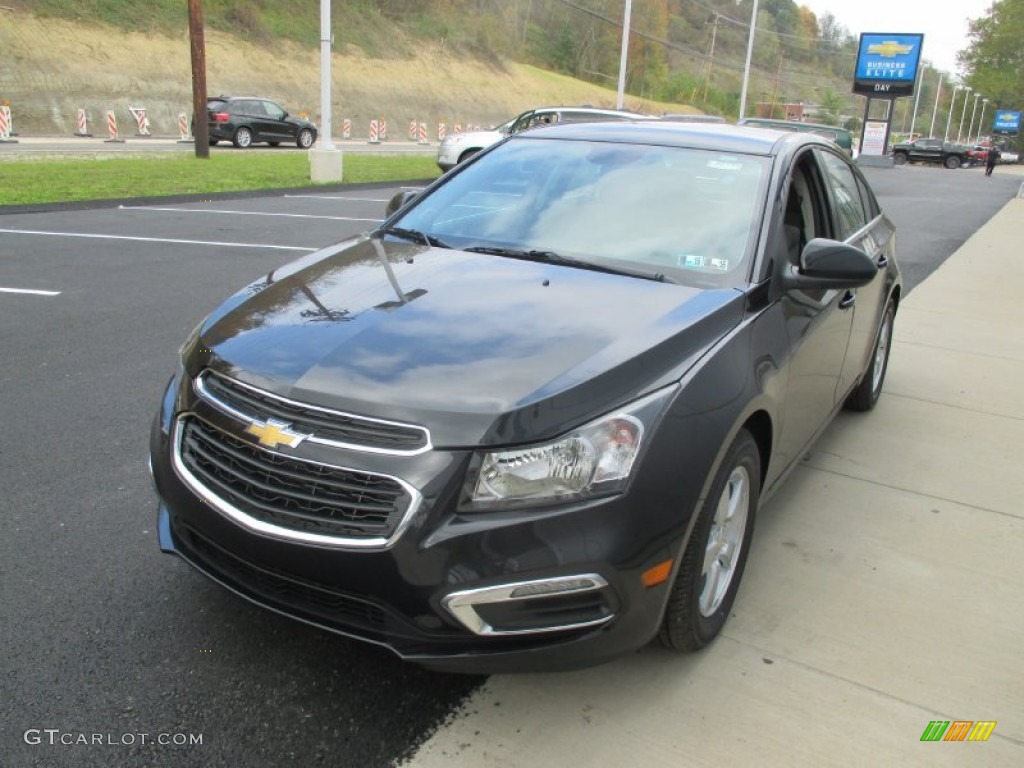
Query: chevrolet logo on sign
889, 49
273, 433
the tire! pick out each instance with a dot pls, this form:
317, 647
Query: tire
242, 138
697, 607
467, 154
899, 158
305, 138
866, 394
274, 143
953, 161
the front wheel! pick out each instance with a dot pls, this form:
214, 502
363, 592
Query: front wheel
242, 138
865, 396
712, 565
953, 162
305, 138
899, 158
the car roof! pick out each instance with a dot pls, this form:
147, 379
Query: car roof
715, 136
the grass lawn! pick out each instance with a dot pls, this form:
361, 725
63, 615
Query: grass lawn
32, 181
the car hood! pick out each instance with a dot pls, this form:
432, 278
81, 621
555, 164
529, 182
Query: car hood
480, 349
475, 138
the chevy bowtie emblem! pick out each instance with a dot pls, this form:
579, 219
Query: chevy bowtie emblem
889, 49
273, 433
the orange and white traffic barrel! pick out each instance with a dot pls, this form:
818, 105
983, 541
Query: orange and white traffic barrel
112, 128
383, 129
82, 124
442, 131
346, 129
374, 132
423, 133
5, 125
184, 129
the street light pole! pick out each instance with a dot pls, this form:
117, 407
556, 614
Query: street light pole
974, 109
917, 100
949, 117
963, 114
981, 120
935, 109
746, 67
623, 56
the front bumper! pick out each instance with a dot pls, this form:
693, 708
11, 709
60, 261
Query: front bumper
529, 590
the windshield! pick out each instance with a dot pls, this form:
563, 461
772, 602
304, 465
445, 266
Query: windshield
689, 214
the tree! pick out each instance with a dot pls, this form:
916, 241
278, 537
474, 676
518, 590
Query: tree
993, 62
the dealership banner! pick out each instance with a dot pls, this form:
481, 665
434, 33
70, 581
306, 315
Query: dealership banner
1006, 121
887, 64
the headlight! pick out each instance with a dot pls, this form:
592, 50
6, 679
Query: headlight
595, 459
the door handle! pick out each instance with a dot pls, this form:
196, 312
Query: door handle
848, 300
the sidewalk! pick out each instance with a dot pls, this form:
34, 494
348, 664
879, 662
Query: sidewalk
885, 586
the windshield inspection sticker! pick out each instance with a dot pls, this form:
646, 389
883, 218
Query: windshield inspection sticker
695, 261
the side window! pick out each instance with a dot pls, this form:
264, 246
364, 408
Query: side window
845, 195
868, 198
273, 110
522, 122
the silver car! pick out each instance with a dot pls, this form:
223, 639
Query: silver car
459, 147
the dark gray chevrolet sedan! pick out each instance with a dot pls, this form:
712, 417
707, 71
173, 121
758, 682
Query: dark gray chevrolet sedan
528, 422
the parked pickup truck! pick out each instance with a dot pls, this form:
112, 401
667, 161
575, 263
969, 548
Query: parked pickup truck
929, 151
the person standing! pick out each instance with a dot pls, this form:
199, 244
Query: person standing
991, 160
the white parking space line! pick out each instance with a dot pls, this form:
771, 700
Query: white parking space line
154, 239
147, 208
337, 197
33, 291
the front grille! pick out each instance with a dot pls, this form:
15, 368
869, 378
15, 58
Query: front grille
324, 425
285, 591
291, 494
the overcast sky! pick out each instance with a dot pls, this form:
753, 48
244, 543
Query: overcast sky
944, 24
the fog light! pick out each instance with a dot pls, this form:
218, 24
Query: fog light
551, 588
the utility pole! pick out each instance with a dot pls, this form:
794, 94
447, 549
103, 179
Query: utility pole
746, 66
775, 90
200, 126
711, 57
625, 52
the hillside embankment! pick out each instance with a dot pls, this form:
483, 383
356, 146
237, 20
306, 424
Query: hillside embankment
50, 68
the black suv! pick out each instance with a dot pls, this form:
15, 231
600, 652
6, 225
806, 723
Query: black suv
248, 120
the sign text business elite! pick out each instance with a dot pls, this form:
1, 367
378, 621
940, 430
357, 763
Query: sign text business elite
887, 64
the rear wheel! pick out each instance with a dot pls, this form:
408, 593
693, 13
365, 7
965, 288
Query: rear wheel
305, 138
899, 158
242, 138
712, 566
864, 397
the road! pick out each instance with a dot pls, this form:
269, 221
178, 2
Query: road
105, 637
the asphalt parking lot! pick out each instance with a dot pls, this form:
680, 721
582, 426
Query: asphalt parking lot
104, 635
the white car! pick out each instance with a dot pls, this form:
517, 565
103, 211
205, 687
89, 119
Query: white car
1005, 156
459, 147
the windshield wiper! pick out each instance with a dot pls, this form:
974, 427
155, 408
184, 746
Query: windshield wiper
415, 236
556, 258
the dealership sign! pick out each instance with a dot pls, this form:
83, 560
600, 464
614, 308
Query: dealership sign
1006, 121
887, 64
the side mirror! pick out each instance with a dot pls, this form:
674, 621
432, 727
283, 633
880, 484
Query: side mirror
400, 200
830, 264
